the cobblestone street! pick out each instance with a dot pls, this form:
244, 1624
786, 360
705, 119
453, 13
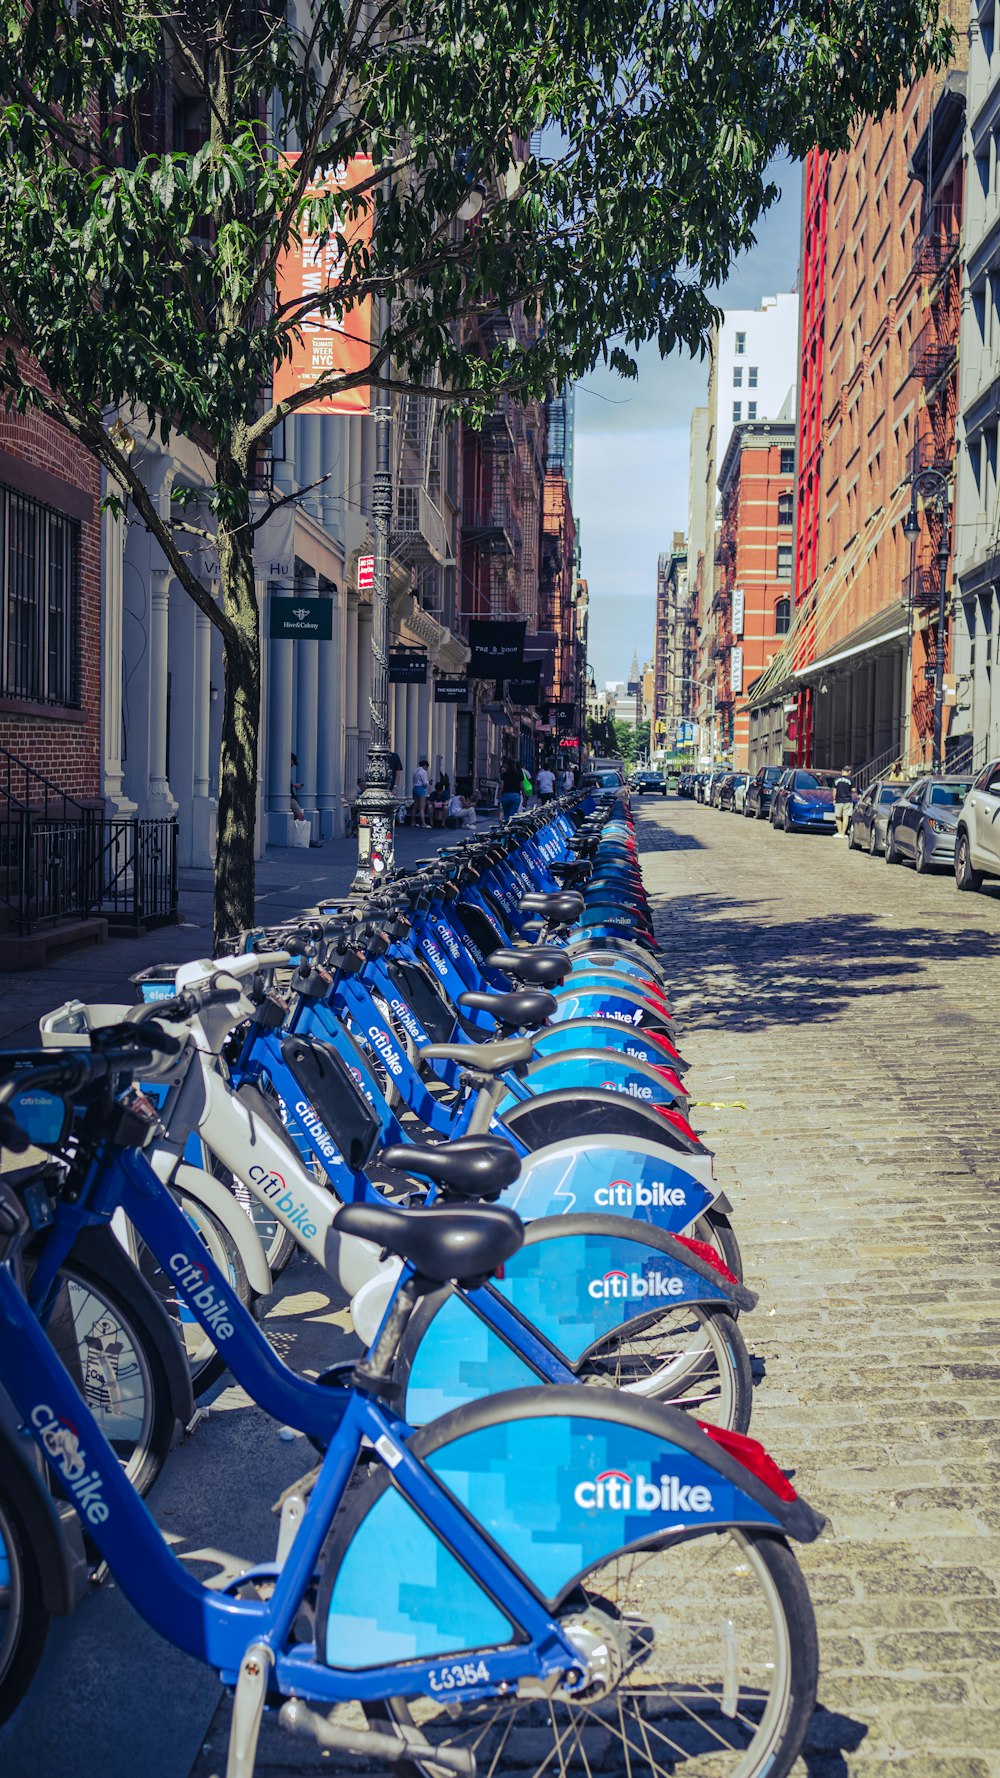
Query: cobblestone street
841, 1020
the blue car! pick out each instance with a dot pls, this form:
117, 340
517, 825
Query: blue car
802, 802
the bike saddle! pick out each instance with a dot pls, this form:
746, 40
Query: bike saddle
571, 872
471, 1166
544, 966
441, 1244
526, 1010
563, 908
486, 1058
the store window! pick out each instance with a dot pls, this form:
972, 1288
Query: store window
39, 601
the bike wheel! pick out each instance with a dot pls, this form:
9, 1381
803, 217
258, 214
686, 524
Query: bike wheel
711, 1663
117, 1365
24, 1619
206, 1362
689, 1356
716, 1230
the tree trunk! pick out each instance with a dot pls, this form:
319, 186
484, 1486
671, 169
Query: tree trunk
234, 859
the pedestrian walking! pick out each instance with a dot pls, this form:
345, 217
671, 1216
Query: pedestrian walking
511, 779
567, 780
843, 798
396, 768
294, 787
421, 786
546, 780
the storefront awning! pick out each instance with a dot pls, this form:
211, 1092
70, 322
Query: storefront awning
872, 637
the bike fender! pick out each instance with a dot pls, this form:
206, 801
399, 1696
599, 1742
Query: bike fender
593, 1111
630, 1177
102, 1250
51, 1527
613, 1072
216, 1197
722, 1203
560, 1478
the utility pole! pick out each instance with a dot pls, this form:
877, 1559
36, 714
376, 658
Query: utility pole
377, 802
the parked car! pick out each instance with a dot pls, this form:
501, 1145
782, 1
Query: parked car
685, 784
802, 803
733, 785
653, 783
866, 827
759, 791
923, 824
977, 842
715, 788
703, 785
608, 779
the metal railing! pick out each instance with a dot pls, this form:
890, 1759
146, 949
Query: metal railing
56, 868
880, 767
966, 755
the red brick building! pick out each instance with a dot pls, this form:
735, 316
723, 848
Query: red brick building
809, 500
50, 606
753, 597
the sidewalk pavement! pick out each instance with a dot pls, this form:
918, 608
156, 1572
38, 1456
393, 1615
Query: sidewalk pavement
290, 882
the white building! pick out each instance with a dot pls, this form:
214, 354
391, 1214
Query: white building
976, 627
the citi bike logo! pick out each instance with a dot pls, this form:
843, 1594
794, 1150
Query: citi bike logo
621, 1195
318, 1131
616, 1491
62, 1444
407, 1020
628, 1286
380, 1042
297, 1216
449, 941
436, 958
192, 1279
630, 1088
624, 1018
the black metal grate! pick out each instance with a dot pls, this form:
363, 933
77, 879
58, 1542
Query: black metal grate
39, 601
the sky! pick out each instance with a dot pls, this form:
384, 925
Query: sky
630, 468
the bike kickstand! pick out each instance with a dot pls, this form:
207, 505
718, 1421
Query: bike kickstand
248, 1708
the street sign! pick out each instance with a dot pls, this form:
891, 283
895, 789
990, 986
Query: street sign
451, 691
302, 620
366, 573
685, 732
407, 666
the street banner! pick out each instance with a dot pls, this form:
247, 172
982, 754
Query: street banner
736, 669
739, 610
313, 264
407, 666
366, 573
525, 687
497, 646
303, 620
451, 691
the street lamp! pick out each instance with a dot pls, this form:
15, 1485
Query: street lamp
932, 485
377, 803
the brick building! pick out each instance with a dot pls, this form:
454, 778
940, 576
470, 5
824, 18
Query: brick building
50, 606
881, 237
753, 596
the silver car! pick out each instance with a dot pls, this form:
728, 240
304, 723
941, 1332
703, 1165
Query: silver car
924, 823
866, 831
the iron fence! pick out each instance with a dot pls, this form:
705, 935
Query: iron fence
54, 868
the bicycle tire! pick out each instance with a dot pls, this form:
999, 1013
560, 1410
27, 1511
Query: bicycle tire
715, 1229
204, 1359
24, 1616
681, 1380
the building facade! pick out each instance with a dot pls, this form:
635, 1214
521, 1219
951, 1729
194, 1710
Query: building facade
975, 728
754, 589
672, 699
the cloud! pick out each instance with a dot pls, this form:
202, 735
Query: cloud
631, 451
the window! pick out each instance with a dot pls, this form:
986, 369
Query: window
782, 617
784, 568
39, 556
787, 466
737, 411
741, 344
752, 376
751, 410
738, 377
786, 508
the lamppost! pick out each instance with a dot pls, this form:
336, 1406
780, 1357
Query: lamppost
377, 803
932, 485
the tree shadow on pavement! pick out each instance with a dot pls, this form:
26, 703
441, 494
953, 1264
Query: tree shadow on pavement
735, 971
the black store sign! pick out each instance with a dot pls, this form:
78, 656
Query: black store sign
407, 666
497, 647
308, 620
526, 687
451, 691
563, 716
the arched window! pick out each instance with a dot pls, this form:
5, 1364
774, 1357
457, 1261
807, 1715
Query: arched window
786, 508
782, 617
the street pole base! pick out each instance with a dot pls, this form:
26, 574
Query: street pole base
376, 847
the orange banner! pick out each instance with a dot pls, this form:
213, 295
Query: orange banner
324, 344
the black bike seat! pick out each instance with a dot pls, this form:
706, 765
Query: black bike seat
563, 908
472, 1166
527, 1009
486, 1058
440, 1243
544, 966
571, 871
